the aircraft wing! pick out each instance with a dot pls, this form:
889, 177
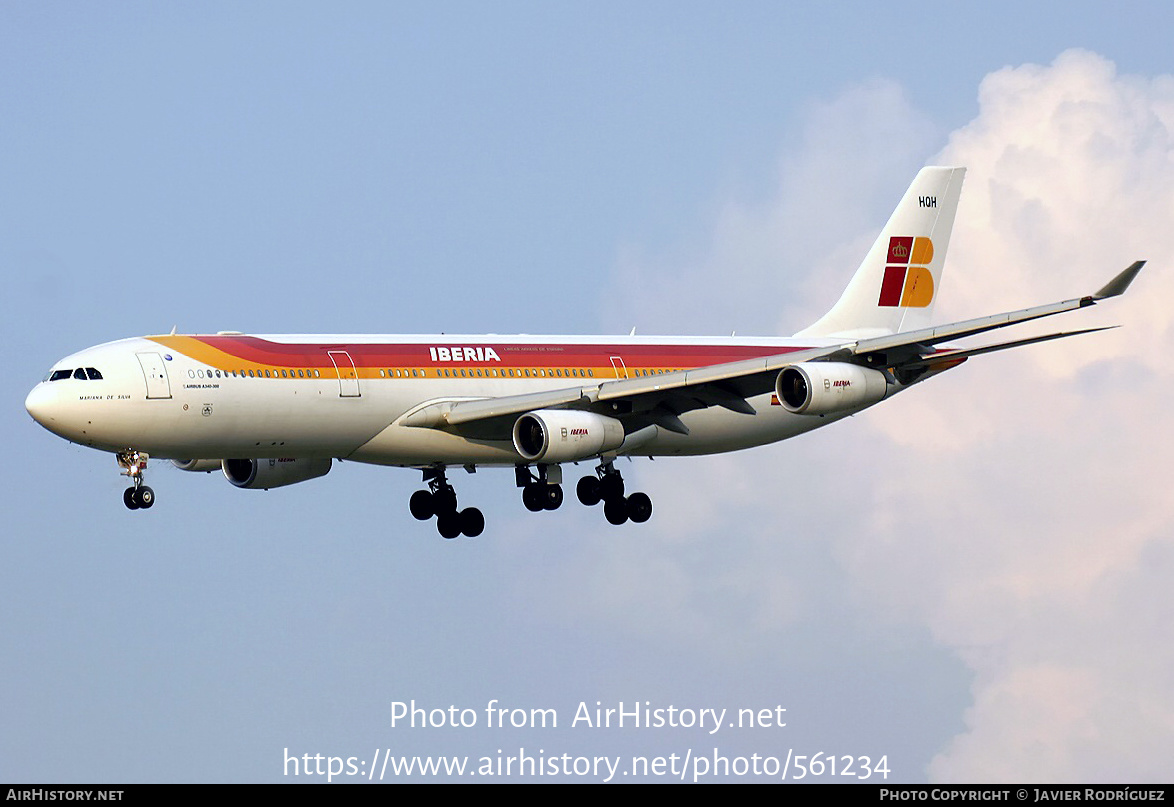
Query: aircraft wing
660, 399
902, 342
656, 399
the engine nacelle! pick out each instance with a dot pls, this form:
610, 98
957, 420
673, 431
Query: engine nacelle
207, 466
273, 473
827, 388
564, 435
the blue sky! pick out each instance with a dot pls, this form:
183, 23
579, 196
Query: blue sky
905, 584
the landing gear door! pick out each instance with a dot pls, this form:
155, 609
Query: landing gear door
348, 376
155, 374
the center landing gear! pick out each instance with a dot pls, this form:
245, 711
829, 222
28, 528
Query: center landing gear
543, 492
134, 464
440, 500
608, 486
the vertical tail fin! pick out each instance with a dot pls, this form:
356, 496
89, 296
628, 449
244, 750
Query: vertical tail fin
895, 288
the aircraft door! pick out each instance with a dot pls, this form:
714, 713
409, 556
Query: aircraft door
618, 363
155, 374
348, 376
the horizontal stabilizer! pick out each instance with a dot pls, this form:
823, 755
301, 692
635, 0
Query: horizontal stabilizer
954, 355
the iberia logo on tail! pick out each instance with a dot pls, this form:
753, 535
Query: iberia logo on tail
907, 282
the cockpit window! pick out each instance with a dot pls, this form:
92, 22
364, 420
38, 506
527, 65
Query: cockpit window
80, 373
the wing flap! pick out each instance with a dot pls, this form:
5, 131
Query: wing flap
454, 412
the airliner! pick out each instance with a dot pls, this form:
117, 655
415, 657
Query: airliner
269, 411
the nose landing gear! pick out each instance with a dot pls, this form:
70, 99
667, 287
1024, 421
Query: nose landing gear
440, 500
134, 464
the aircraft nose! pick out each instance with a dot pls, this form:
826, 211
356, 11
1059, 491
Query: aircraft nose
40, 404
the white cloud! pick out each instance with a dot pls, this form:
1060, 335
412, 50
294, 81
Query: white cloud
1016, 506
1073, 166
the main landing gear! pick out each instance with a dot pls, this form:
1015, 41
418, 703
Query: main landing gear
608, 486
440, 500
542, 492
134, 463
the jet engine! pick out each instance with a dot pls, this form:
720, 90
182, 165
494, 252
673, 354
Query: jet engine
564, 435
273, 473
828, 388
207, 466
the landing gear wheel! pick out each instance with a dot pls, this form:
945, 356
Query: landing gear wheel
588, 491
639, 508
553, 495
472, 522
422, 505
611, 486
448, 524
534, 497
440, 500
615, 511
144, 497
444, 499
129, 499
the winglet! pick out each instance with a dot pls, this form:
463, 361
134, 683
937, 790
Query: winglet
1120, 283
